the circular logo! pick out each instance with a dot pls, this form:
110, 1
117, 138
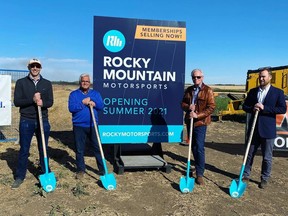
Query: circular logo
110, 187
185, 190
49, 188
114, 41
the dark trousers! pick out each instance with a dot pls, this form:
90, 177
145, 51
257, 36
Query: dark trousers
198, 147
80, 136
27, 128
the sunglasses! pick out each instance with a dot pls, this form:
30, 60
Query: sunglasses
196, 77
35, 65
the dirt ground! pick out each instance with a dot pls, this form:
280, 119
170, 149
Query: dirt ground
144, 192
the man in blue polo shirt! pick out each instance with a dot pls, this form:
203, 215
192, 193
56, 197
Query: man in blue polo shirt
79, 104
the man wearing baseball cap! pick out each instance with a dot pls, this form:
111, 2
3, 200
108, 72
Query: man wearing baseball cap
30, 92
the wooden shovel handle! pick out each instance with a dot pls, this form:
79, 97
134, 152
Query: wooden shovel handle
42, 131
250, 136
96, 130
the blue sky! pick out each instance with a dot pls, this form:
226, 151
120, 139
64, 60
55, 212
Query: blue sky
224, 38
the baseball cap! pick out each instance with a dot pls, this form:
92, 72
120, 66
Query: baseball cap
34, 60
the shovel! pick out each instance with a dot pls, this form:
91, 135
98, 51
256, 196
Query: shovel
108, 180
238, 187
47, 180
187, 183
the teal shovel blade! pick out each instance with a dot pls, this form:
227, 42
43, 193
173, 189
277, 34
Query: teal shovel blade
186, 184
48, 181
108, 181
237, 188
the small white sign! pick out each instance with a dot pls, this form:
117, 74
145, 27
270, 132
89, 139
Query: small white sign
5, 100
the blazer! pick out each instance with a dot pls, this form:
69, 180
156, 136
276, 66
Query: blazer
274, 103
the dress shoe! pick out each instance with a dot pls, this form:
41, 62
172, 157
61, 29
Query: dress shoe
200, 180
263, 184
80, 175
16, 184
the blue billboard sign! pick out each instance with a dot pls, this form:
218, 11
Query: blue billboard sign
139, 69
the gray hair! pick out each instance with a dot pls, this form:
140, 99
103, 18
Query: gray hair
193, 71
83, 75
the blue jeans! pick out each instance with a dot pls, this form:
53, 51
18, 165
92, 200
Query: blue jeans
80, 135
27, 128
267, 153
198, 150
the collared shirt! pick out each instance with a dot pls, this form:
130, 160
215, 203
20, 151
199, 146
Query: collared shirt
84, 93
195, 95
262, 94
35, 81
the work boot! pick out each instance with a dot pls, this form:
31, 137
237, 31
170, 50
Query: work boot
200, 180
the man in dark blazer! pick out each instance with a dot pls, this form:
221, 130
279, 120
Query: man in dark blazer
269, 101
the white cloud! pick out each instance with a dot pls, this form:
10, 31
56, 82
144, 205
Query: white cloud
53, 69
13, 63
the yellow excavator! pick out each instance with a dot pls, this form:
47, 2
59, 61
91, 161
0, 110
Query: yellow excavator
279, 80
